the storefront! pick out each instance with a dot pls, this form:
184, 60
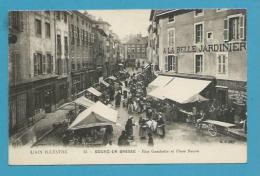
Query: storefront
61, 90
30, 101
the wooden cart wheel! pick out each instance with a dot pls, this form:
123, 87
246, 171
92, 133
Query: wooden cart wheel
212, 129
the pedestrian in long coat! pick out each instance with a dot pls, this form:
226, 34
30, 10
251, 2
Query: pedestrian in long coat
161, 126
150, 140
129, 127
118, 99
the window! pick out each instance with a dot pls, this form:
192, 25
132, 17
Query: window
59, 66
199, 33
209, 35
65, 17
87, 37
49, 63
199, 12
78, 65
58, 15
38, 64
72, 35
72, 65
38, 27
171, 37
44, 65
66, 48
83, 37
16, 20
47, 13
47, 30
222, 63
219, 10
58, 44
171, 63
198, 63
78, 39
171, 18
234, 28
15, 69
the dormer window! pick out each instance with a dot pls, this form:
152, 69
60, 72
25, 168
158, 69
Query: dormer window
198, 12
171, 18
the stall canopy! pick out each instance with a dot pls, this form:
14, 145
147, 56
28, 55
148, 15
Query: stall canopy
112, 77
97, 115
184, 90
94, 91
104, 83
147, 66
83, 101
160, 81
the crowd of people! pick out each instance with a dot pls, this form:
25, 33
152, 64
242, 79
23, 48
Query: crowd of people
130, 91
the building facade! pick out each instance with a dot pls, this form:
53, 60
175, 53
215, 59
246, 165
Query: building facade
62, 56
81, 52
32, 78
136, 51
206, 42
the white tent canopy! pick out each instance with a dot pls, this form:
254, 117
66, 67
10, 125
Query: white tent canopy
94, 91
104, 82
182, 90
83, 101
160, 81
97, 115
112, 77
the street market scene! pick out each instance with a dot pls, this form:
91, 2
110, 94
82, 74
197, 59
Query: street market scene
75, 82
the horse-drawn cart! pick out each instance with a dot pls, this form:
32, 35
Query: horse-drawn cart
214, 127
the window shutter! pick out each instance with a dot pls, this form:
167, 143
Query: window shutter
21, 21
166, 63
242, 27
226, 30
176, 64
35, 64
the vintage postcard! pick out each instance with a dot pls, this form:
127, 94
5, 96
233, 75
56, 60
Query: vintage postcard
127, 86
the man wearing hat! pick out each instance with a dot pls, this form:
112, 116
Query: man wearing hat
161, 126
129, 127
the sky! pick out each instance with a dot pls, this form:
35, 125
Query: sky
125, 22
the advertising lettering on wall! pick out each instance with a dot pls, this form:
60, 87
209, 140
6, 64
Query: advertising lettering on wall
223, 47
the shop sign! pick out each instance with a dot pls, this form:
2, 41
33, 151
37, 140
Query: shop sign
223, 47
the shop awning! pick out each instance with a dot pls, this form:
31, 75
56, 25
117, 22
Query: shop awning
97, 115
94, 91
183, 90
104, 82
157, 93
160, 81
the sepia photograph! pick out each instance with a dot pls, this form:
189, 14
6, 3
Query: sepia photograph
136, 86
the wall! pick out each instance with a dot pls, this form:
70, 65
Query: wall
184, 36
